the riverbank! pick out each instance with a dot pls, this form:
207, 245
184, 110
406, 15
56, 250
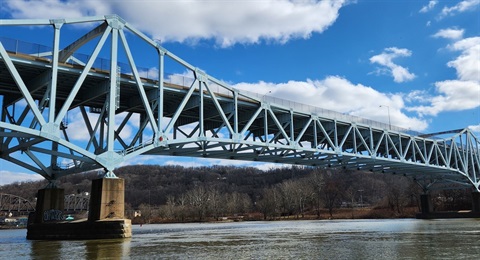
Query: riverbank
342, 213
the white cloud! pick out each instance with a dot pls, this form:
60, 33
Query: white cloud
55, 8
227, 22
77, 130
455, 94
475, 128
399, 73
151, 73
189, 163
184, 79
7, 177
463, 6
199, 162
468, 63
450, 33
339, 94
428, 7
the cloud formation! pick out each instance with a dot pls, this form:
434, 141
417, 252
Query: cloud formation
7, 177
226, 22
456, 94
385, 59
463, 6
428, 7
475, 128
338, 94
450, 33
467, 64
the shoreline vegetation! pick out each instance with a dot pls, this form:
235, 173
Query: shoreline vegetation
176, 194
338, 214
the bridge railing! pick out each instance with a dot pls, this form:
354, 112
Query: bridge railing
322, 112
38, 50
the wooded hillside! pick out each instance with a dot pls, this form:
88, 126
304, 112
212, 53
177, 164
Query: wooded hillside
176, 193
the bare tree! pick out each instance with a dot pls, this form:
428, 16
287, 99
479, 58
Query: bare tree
198, 201
397, 192
269, 203
333, 189
238, 203
288, 190
316, 181
146, 211
181, 208
170, 207
215, 202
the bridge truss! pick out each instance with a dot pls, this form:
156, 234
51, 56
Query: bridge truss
65, 112
76, 202
15, 204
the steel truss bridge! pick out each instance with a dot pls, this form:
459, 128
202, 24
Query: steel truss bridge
12, 203
65, 110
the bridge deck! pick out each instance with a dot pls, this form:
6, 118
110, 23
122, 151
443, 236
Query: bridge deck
201, 117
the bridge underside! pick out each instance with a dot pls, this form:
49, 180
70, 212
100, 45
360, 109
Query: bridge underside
64, 112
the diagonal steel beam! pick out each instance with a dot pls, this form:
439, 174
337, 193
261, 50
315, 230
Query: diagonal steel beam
83, 75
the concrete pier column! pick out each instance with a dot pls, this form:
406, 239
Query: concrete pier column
105, 218
50, 205
107, 199
476, 202
426, 205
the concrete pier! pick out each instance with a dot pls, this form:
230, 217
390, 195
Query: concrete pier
107, 199
476, 202
50, 205
105, 220
426, 204
428, 213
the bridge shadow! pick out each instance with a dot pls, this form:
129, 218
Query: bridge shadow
46, 249
78, 249
107, 249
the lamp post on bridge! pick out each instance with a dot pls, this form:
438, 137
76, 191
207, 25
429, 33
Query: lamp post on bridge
389, 121
263, 97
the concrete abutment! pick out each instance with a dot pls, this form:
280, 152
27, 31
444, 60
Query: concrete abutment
476, 202
105, 219
427, 211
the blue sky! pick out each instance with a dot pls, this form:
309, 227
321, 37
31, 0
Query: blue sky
420, 58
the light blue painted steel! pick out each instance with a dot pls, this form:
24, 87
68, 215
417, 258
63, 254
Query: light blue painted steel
199, 117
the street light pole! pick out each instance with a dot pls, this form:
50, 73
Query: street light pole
389, 121
263, 97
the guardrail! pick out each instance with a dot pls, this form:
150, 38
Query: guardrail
37, 50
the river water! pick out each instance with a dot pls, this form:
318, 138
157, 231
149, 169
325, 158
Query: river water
317, 239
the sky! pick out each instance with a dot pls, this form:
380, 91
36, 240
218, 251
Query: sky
415, 63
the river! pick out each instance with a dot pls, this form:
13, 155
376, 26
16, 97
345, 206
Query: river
316, 239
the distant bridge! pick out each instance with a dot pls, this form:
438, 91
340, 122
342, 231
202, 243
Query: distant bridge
50, 94
16, 204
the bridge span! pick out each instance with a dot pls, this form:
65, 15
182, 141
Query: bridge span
44, 88
15, 204
66, 110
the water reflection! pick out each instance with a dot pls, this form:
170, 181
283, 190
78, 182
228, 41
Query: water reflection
79, 249
107, 249
325, 239
46, 249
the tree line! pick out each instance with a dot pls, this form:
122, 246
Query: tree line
176, 193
